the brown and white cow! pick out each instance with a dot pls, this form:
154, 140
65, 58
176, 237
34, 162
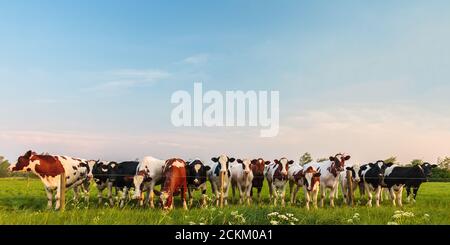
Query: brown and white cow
329, 178
49, 168
311, 185
174, 174
257, 167
277, 177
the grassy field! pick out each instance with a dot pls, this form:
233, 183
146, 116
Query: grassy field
24, 202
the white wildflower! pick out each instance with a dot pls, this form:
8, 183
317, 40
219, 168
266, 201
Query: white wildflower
392, 223
274, 222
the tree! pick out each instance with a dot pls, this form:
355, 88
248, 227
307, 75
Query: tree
415, 162
322, 159
305, 158
4, 164
444, 163
391, 160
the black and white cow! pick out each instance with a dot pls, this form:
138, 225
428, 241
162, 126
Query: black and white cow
121, 176
101, 173
220, 167
196, 173
396, 177
149, 173
371, 176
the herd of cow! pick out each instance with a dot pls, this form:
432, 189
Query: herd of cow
177, 177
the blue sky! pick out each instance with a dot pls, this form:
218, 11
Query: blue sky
94, 78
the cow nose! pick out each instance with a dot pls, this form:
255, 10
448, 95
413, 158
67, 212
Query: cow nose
284, 173
196, 181
247, 171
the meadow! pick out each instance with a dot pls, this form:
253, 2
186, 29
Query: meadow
23, 201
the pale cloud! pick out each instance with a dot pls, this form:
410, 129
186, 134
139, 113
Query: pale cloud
117, 80
196, 59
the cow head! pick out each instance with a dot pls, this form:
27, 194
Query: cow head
426, 168
245, 166
114, 170
311, 178
100, 172
339, 161
196, 172
378, 168
257, 166
283, 166
170, 178
355, 172
224, 163
23, 163
90, 166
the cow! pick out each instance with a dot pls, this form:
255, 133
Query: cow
86, 186
355, 179
257, 166
49, 169
371, 176
174, 173
396, 177
149, 173
196, 179
220, 166
276, 174
121, 176
242, 178
329, 175
295, 177
101, 172
311, 185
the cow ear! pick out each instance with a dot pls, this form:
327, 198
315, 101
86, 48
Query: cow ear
434, 166
317, 174
215, 159
276, 161
348, 168
291, 162
267, 162
207, 168
347, 158
187, 163
239, 161
332, 158
231, 159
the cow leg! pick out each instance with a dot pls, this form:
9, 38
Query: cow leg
369, 194
123, 197
283, 195
307, 198
183, 196
204, 204
332, 195
58, 194
378, 195
294, 194
110, 187
191, 200
291, 186
49, 193
415, 190
399, 197
151, 194
408, 193
100, 194
233, 190
249, 198
75, 193
393, 197
241, 194
315, 193
323, 191
259, 194
275, 195
270, 191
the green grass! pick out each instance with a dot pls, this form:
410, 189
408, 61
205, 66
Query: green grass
24, 202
